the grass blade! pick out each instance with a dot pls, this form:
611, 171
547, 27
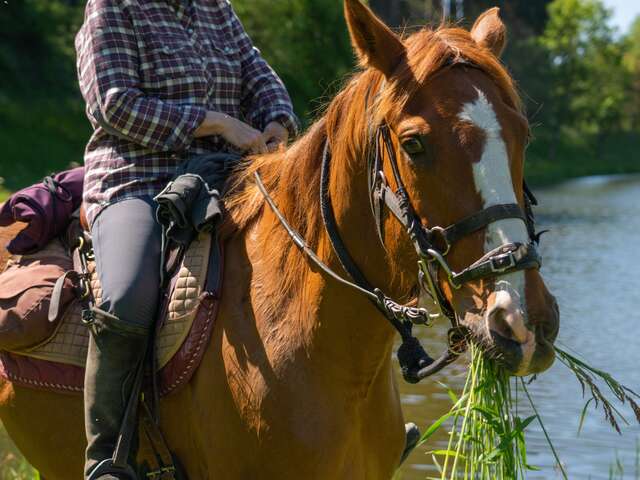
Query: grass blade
544, 430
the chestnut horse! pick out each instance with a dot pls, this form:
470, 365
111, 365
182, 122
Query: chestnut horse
298, 379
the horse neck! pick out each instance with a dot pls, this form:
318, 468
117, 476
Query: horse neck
337, 328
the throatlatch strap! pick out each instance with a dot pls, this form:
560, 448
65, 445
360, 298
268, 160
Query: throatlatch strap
331, 225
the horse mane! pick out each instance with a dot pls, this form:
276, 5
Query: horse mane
293, 176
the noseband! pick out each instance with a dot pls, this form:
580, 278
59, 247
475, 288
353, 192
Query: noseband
432, 246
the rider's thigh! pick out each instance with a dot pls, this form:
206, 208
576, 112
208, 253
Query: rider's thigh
127, 245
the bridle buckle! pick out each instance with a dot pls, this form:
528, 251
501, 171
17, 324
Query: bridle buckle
441, 241
502, 263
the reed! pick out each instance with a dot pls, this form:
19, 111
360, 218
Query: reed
487, 438
589, 377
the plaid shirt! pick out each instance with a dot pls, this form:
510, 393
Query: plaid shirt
149, 70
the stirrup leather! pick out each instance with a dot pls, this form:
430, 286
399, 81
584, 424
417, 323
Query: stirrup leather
106, 467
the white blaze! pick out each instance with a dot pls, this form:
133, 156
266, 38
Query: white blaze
492, 176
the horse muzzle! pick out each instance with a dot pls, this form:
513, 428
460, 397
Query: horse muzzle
520, 341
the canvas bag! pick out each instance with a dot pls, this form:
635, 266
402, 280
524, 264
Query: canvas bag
25, 295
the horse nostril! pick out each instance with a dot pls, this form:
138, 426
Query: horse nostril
506, 319
497, 321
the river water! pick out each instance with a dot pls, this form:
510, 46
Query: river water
592, 265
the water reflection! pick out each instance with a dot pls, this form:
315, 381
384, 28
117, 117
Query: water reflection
592, 265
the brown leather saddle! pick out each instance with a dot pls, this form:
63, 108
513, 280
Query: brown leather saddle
55, 357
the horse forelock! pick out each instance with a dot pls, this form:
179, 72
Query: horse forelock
431, 51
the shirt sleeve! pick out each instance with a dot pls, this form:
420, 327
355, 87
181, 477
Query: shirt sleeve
264, 97
108, 65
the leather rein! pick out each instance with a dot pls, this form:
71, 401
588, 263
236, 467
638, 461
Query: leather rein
432, 246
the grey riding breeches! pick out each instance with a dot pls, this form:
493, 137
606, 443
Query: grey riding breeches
127, 245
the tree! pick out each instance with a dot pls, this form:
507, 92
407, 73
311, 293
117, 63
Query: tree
306, 42
631, 62
36, 44
586, 92
524, 17
389, 10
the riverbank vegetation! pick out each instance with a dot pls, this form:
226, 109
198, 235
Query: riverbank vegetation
580, 78
487, 439
13, 466
487, 433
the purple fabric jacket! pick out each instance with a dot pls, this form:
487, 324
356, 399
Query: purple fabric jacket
46, 207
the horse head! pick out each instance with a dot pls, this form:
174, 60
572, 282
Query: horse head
456, 132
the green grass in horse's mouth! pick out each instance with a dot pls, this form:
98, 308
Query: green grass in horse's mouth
487, 438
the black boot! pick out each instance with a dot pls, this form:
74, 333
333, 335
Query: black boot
116, 349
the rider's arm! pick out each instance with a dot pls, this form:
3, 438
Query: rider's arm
108, 70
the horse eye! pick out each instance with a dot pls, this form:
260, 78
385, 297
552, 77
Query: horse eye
413, 146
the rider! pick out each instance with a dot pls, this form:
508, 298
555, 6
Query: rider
163, 81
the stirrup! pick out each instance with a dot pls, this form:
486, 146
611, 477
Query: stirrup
106, 467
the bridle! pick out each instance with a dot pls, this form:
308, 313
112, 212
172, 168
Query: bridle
431, 245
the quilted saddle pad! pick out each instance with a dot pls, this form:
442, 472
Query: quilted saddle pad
187, 318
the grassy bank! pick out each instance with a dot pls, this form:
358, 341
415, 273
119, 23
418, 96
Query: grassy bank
12, 465
577, 158
38, 137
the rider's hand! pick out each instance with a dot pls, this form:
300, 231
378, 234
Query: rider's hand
275, 135
234, 131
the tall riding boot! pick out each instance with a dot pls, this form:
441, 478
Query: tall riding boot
116, 349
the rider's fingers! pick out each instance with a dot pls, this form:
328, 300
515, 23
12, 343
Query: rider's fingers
259, 146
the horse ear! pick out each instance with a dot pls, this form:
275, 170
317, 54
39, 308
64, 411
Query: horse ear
375, 44
490, 32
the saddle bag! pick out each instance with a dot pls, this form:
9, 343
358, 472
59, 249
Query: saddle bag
26, 288
45, 207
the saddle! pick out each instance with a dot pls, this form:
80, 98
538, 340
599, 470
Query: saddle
55, 360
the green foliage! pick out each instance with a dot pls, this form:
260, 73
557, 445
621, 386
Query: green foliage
36, 45
43, 127
12, 465
38, 137
580, 80
587, 93
306, 42
487, 439
631, 62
